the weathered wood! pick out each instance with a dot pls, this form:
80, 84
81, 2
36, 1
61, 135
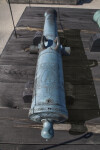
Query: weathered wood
39, 24
85, 104
74, 75
44, 146
83, 13
93, 55
72, 62
97, 88
9, 60
84, 97
11, 95
21, 121
15, 74
84, 94
13, 114
26, 135
81, 75
16, 47
74, 23
22, 114
95, 43
59, 2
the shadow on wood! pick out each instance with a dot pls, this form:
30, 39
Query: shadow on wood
95, 43
81, 2
81, 99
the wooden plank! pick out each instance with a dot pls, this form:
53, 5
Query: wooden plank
81, 81
93, 55
76, 52
78, 147
16, 47
14, 114
78, 62
29, 61
69, 19
11, 95
16, 73
85, 96
19, 50
81, 75
74, 75
85, 106
44, 146
66, 2
95, 121
26, 123
19, 119
71, 24
65, 13
79, 11
74, 25
21, 115
32, 136
9, 60
69, 11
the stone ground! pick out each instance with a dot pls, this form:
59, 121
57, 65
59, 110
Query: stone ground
6, 27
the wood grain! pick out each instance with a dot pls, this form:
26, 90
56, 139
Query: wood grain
81, 76
41, 146
67, 2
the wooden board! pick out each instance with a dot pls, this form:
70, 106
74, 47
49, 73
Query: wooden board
67, 2
41, 146
28, 135
81, 76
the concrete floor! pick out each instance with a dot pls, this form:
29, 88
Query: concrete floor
6, 26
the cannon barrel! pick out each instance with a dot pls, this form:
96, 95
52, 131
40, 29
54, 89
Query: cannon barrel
50, 26
48, 102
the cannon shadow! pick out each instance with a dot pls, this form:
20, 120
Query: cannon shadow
81, 97
81, 2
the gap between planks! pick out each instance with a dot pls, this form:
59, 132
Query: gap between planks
41, 29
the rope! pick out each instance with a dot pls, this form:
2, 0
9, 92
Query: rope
60, 20
12, 18
29, 3
85, 136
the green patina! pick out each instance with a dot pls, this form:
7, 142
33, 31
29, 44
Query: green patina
96, 17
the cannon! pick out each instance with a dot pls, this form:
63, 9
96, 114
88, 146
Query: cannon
96, 17
48, 100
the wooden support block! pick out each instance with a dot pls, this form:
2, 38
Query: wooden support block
28, 92
95, 43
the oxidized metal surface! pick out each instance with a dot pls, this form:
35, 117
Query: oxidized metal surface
96, 17
49, 92
48, 103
